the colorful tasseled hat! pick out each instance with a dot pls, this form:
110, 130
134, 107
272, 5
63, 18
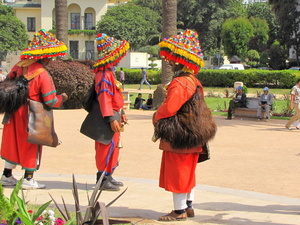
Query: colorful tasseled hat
110, 51
183, 48
44, 45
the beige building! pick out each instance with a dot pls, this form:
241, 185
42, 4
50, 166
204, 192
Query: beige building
82, 18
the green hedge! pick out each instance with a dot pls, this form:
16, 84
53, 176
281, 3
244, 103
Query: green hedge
226, 78
251, 78
134, 76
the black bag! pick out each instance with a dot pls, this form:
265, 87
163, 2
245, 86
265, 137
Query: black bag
14, 91
89, 98
13, 94
96, 127
205, 154
193, 125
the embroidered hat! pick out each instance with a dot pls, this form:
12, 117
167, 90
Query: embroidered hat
44, 45
110, 51
183, 48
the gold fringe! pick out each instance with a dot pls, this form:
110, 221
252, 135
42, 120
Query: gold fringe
26, 62
187, 70
45, 51
182, 52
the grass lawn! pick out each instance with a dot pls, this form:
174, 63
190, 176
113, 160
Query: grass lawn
218, 104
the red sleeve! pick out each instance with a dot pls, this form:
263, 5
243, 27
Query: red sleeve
48, 91
105, 84
13, 72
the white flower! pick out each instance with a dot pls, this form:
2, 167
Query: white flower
50, 212
52, 218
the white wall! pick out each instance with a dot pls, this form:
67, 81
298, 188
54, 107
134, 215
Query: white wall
135, 60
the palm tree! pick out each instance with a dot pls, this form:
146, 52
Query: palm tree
61, 18
169, 22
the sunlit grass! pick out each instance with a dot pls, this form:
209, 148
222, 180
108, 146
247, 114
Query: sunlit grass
218, 104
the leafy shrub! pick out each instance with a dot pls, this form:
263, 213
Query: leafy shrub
251, 78
74, 78
134, 76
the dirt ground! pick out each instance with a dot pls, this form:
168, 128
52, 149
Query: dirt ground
245, 154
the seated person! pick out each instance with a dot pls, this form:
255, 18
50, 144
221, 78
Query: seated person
138, 103
239, 101
2, 76
149, 103
266, 102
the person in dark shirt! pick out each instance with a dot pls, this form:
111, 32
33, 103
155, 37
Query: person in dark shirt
239, 101
138, 103
149, 103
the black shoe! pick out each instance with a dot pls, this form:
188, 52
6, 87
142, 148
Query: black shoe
114, 182
228, 118
108, 186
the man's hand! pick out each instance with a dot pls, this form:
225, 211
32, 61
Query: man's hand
124, 118
64, 97
115, 126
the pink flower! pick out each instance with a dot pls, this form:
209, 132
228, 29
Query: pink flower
59, 221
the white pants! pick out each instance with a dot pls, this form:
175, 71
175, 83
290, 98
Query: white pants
9, 166
180, 199
296, 116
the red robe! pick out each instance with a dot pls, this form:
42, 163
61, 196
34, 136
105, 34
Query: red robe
110, 99
177, 173
14, 148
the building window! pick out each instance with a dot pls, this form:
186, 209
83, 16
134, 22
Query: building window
88, 21
89, 50
74, 49
75, 21
30, 23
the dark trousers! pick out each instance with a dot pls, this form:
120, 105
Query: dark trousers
232, 106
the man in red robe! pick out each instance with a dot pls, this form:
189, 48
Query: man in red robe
177, 173
15, 150
110, 102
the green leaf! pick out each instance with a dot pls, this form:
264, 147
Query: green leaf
40, 210
69, 222
22, 207
15, 192
25, 220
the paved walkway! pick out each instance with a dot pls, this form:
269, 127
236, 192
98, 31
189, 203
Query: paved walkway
253, 176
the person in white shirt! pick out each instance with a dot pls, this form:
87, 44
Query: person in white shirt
265, 104
295, 102
2, 76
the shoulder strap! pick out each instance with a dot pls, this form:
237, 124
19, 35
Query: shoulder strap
33, 75
191, 80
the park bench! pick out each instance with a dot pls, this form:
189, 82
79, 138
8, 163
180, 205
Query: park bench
250, 111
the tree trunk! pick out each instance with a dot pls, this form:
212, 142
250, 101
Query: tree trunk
61, 19
169, 21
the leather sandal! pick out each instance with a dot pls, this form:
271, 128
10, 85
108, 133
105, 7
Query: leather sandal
172, 216
190, 212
